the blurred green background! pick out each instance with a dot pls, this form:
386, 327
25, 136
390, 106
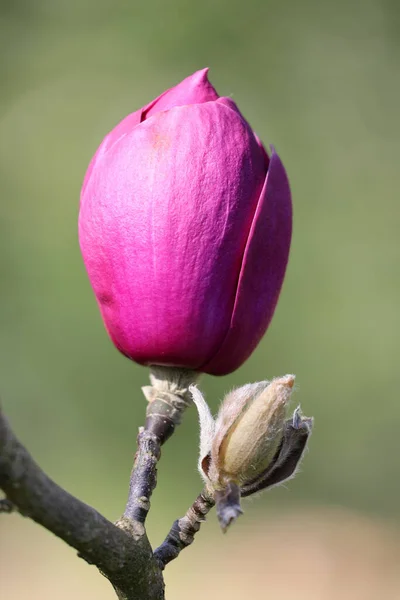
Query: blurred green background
321, 81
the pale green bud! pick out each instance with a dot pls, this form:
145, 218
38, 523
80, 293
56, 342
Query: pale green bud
250, 444
243, 439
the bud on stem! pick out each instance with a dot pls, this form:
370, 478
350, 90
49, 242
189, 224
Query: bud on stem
250, 446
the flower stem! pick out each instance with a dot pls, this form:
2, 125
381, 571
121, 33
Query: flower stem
183, 530
168, 397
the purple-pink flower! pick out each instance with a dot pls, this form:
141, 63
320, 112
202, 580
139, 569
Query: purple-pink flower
185, 228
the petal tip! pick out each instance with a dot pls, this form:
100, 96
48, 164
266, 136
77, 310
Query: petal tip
200, 77
203, 73
200, 87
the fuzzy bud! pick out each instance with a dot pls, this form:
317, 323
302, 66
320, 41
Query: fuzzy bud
251, 445
251, 442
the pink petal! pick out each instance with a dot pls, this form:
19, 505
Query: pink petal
195, 89
123, 127
229, 103
262, 272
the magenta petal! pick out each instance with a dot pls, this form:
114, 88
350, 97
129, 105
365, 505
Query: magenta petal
195, 89
262, 272
263, 150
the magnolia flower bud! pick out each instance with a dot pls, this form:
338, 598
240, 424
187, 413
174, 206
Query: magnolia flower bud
185, 227
251, 445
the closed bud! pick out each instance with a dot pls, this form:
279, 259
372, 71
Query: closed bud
185, 225
250, 439
250, 444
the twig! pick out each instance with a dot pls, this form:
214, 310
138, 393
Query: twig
144, 476
168, 398
123, 555
122, 551
183, 530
